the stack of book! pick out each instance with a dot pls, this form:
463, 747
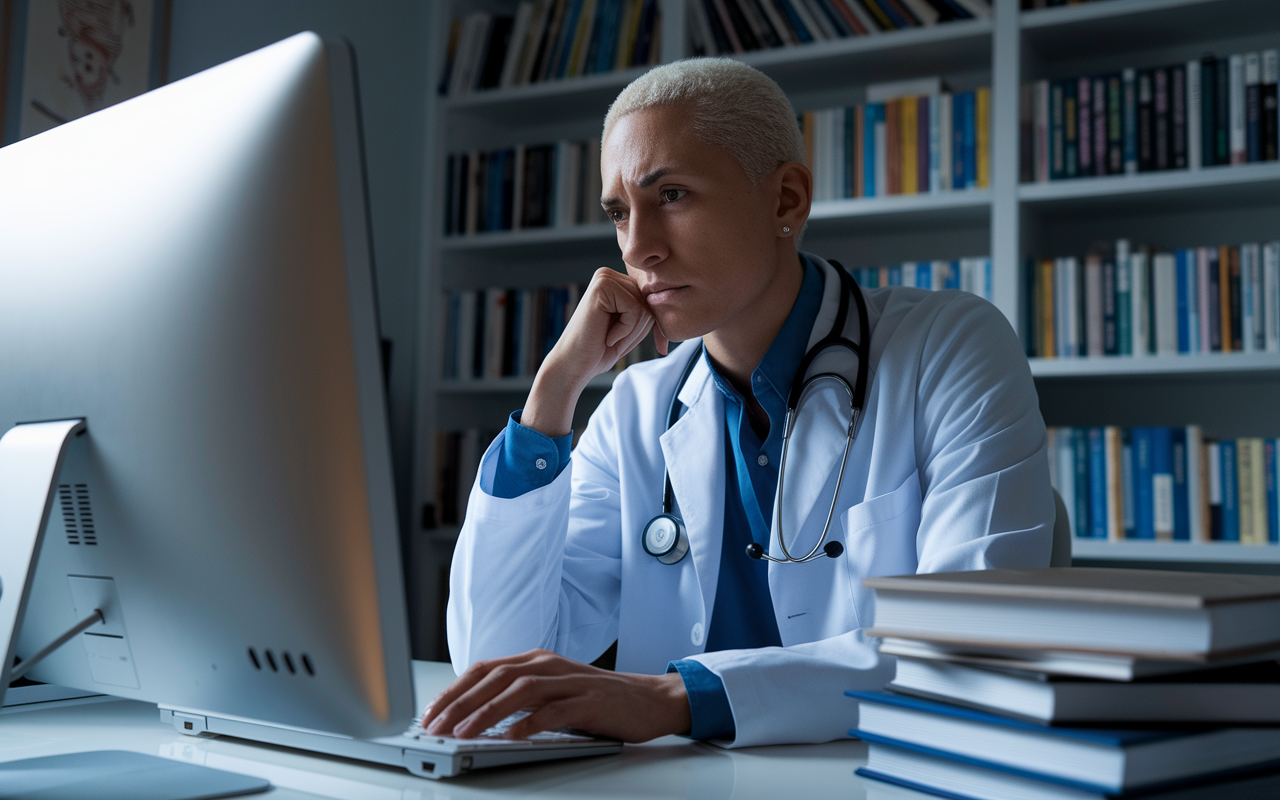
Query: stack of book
718, 27
1077, 683
1166, 483
1205, 112
906, 145
526, 186
548, 40
969, 274
1139, 301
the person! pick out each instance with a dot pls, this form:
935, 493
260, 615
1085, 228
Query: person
704, 178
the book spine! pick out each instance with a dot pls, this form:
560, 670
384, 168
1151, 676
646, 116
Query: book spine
1244, 491
1271, 490
1139, 277
1222, 112
1162, 483
1181, 489
1258, 492
1208, 111
1047, 347
1178, 116
1194, 115
1130, 94
935, 143
959, 177
1235, 311
1161, 138
1164, 273
1230, 491
1238, 153
1213, 257
908, 129
1110, 337
982, 136
1042, 127
1213, 465
1084, 126
1124, 300
946, 116
1097, 484
1271, 294
1197, 486
1070, 130
1081, 461
1146, 121
970, 140
1115, 486
1184, 316
1144, 507
1252, 107
1100, 121
893, 145
1248, 340
924, 148
1127, 467
1026, 133
1093, 306
1270, 105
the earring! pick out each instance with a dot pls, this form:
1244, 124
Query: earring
786, 229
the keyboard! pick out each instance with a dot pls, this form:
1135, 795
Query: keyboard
493, 736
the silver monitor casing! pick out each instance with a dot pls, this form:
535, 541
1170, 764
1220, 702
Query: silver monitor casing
189, 272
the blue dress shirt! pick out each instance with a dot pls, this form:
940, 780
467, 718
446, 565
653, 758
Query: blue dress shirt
742, 617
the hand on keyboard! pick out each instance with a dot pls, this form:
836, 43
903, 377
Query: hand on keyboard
497, 732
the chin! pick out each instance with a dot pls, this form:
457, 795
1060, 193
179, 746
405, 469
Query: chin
681, 326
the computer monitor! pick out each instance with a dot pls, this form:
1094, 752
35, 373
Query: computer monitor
188, 272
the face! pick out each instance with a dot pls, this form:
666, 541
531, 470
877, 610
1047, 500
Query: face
698, 237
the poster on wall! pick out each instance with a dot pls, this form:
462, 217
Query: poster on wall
68, 58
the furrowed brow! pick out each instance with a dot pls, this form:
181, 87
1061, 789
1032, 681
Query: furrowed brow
645, 182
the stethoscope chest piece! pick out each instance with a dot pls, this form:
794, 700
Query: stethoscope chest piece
665, 539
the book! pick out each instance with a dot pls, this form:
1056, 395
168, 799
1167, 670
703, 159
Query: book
892, 767
1203, 616
1268, 106
1094, 759
1234, 695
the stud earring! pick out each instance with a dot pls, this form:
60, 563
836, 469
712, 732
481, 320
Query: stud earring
786, 229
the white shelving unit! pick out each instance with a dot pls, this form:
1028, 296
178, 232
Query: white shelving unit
1231, 395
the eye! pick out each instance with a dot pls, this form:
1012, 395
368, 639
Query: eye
616, 215
672, 195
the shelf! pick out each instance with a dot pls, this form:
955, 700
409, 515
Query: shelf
508, 385
1189, 366
1114, 26
944, 209
1230, 186
1209, 552
535, 241
953, 46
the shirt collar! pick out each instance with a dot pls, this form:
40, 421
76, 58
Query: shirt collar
780, 362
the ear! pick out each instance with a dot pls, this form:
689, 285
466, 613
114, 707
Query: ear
794, 184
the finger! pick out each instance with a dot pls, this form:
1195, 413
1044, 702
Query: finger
467, 681
634, 338
660, 340
561, 713
494, 683
527, 691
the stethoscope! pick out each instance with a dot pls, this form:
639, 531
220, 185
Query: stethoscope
665, 537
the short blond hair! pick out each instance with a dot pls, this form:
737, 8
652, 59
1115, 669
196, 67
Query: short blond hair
732, 105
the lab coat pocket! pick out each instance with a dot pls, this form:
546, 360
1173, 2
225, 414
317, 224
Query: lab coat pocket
880, 539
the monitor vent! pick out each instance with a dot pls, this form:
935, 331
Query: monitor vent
84, 515
286, 663
67, 503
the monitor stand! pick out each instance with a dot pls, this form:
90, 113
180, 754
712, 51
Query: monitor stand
30, 459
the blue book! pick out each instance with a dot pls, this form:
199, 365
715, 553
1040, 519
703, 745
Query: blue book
873, 115
797, 25
953, 276
970, 140
924, 275
957, 141
1273, 488
1181, 497
1097, 483
1144, 526
1080, 461
1162, 481
895, 276
1230, 492
1071, 756
564, 46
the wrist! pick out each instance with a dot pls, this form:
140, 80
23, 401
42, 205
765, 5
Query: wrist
674, 700
550, 405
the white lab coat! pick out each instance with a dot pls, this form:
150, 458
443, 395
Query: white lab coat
948, 472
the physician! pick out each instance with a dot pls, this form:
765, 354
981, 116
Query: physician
730, 580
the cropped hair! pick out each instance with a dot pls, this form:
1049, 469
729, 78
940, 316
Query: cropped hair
732, 105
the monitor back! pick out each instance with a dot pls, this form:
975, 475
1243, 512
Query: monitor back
189, 272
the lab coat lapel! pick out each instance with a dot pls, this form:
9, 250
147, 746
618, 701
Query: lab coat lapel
818, 439
694, 452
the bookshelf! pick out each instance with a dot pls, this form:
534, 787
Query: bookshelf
1229, 394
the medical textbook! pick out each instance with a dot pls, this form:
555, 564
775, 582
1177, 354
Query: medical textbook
1156, 614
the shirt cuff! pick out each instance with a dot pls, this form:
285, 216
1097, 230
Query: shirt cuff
530, 459
709, 711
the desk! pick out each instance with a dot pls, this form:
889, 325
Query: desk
670, 767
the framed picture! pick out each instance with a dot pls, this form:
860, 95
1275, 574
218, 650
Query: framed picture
62, 59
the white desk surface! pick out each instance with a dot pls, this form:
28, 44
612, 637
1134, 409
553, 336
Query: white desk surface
670, 767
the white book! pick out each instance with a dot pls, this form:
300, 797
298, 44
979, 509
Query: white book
908, 273
1202, 296
1196, 479
882, 165
1041, 122
935, 143
519, 41
1061, 334
1193, 114
945, 106
1140, 322
938, 272
475, 62
926, 13
821, 27
1066, 458
1164, 275
495, 318
1191, 286
911, 87
466, 334
1271, 295
1070, 306
1236, 109
1213, 460
1093, 306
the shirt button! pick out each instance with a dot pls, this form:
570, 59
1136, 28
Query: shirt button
695, 635
763, 460
540, 463
759, 379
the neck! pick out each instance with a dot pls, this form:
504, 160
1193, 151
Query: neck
737, 347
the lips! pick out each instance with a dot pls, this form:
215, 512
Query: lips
661, 293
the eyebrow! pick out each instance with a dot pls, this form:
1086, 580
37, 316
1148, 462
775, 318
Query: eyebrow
645, 182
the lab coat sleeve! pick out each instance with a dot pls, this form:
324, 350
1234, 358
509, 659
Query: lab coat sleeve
986, 502
541, 570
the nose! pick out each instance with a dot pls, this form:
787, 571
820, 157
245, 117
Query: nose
644, 240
